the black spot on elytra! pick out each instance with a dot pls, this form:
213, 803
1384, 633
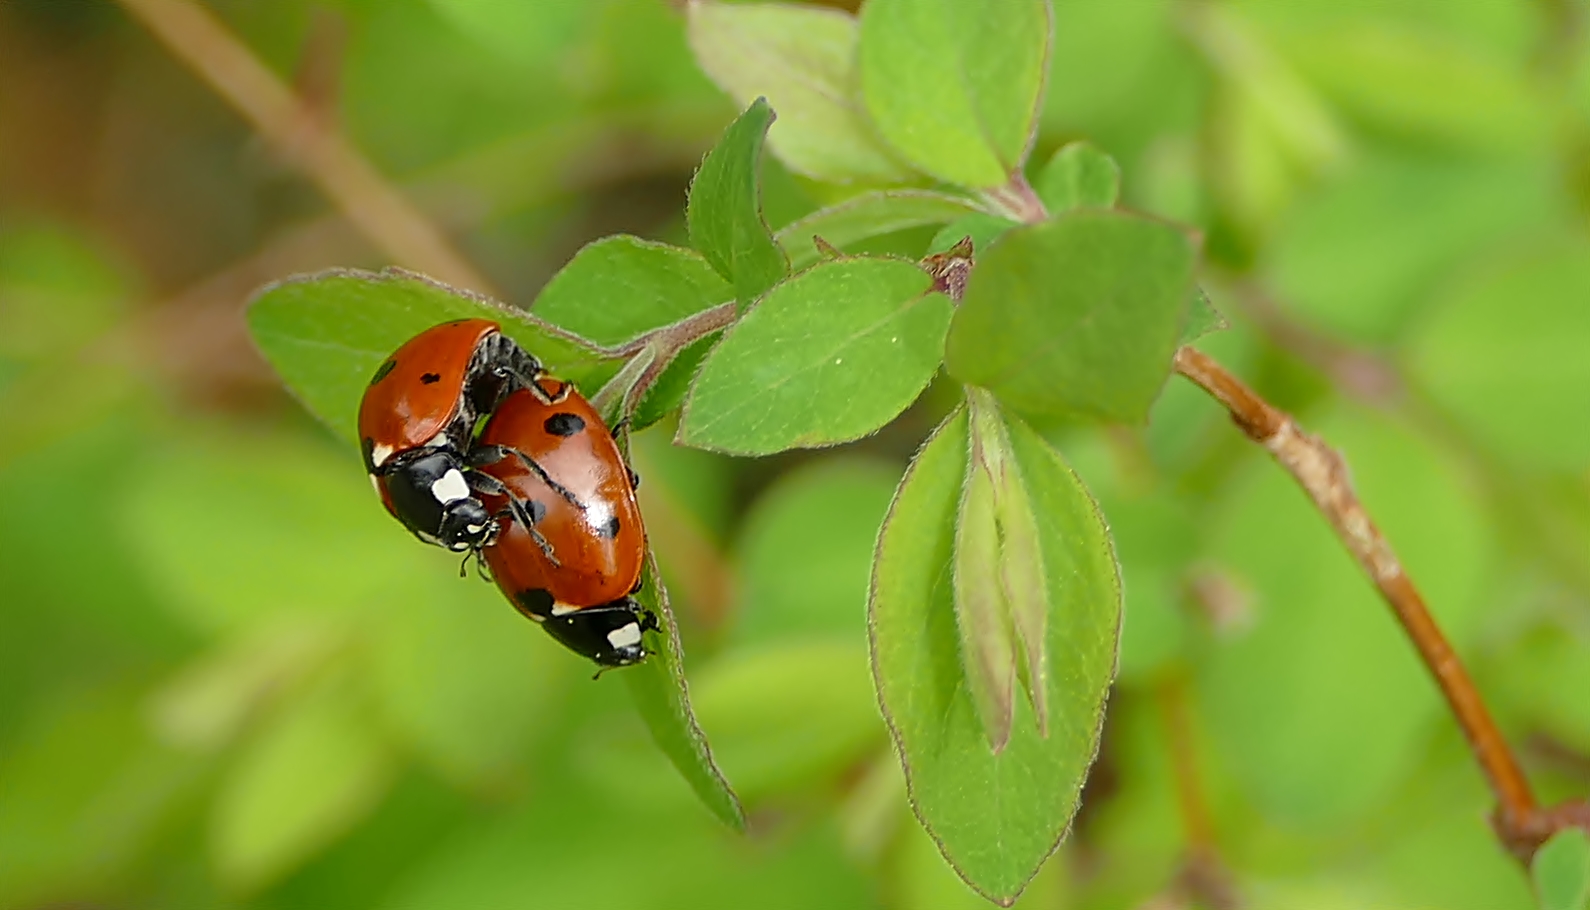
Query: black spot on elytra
537, 511
429, 378
609, 530
381, 373
564, 424
535, 601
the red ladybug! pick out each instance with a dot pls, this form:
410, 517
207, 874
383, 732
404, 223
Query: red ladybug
571, 546
417, 419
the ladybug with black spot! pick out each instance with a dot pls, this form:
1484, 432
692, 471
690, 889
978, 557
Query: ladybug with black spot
417, 421
571, 546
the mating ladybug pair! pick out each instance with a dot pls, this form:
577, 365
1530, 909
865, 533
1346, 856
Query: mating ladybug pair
542, 493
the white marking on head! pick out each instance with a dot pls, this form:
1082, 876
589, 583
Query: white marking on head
597, 514
625, 636
475, 529
450, 487
561, 609
379, 453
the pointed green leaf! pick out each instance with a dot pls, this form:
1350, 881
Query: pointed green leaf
620, 287
869, 215
826, 357
1079, 176
724, 212
1561, 870
953, 85
988, 651
1077, 315
995, 817
327, 332
663, 700
1202, 318
802, 59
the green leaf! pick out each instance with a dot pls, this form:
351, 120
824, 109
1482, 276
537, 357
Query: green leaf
829, 356
667, 394
982, 227
869, 215
314, 771
1313, 754
1202, 318
620, 287
327, 332
1078, 315
953, 85
802, 59
1079, 175
658, 689
724, 212
995, 817
1505, 354
1561, 871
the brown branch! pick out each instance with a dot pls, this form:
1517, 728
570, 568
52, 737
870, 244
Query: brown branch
1519, 821
396, 227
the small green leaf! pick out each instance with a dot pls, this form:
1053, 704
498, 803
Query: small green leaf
1079, 176
1202, 318
311, 774
988, 649
663, 700
667, 394
869, 215
982, 227
1561, 870
995, 817
620, 287
327, 332
826, 357
802, 59
953, 85
724, 212
1077, 315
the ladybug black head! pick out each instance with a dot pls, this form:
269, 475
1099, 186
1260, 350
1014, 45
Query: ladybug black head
431, 496
609, 634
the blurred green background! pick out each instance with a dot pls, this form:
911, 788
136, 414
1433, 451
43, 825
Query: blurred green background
227, 679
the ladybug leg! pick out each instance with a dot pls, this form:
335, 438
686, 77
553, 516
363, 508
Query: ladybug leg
526, 514
482, 455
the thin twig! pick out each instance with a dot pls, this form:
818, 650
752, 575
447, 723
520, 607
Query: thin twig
1520, 822
393, 224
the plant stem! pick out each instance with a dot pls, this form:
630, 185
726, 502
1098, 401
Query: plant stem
1519, 821
201, 41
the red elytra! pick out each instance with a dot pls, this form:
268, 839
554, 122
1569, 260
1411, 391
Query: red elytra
588, 545
419, 390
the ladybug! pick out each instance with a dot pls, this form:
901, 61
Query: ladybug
571, 546
417, 420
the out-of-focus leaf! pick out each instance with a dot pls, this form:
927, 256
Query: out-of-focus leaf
802, 59
1402, 225
1561, 871
1202, 318
806, 551
620, 287
314, 771
1077, 315
787, 716
953, 85
869, 215
304, 533
1317, 753
82, 792
1079, 175
327, 333
1505, 354
460, 675
828, 356
724, 213
982, 227
56, 288
995, 817
534, 37
658, 689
